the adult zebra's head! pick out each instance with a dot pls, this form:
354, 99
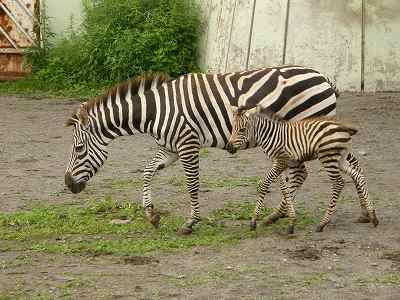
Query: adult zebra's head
88, 151
240, 129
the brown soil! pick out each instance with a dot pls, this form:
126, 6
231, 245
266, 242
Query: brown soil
346, 261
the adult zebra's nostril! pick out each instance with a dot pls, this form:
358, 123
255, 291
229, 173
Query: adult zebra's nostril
68, 179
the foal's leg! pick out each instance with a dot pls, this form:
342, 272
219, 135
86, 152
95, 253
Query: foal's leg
367, 206
272, 175
296, 176
331, 165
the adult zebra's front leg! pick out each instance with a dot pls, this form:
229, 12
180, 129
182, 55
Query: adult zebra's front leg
162, 159
189, 156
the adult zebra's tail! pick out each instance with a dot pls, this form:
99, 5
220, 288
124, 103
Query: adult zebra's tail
333, 85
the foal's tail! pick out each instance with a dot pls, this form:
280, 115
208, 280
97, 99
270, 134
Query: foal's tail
350, 129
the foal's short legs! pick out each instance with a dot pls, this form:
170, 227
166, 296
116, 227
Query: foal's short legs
331, 165
278, 166
297, 174
367, 206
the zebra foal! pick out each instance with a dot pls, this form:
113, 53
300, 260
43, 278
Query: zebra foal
288, 143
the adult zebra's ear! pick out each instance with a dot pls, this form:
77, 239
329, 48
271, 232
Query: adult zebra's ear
83, 114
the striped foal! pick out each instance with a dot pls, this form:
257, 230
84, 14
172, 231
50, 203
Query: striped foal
288, 143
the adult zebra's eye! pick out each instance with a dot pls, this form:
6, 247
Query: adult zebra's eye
79, 147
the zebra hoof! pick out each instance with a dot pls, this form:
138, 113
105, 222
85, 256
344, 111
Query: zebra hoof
374, 219
185, 230
155, 220
290, 229
320, 228
253, 225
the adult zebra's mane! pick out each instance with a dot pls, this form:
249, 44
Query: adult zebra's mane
132, 83
122, 88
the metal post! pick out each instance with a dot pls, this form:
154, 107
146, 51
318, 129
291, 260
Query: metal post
286, 32
250, 34
362, 43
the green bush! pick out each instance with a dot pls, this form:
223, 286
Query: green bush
119, 39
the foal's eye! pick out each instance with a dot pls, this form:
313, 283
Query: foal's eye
79, 147
242, 130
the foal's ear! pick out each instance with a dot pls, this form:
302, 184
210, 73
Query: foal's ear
83, 114
234, 109
267, 111
251, 111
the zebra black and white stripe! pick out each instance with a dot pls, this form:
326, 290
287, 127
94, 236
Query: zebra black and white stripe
288, 143
185, 114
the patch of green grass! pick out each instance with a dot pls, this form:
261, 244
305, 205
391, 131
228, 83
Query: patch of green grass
180, 182
18, 296
390, 278
244, 210
204, 152
314, 278
33, 87
122, 184
18, 261
87, 229
231, 182
68, 288
387, 278
216, 274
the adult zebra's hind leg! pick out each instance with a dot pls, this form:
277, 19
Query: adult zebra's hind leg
353, 169
162, 159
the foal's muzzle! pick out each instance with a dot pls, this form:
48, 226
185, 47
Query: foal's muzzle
74, 187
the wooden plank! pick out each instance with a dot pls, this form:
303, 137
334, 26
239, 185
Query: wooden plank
382, 45
220, 21
236, 57
268, 33
326, 35
205, 7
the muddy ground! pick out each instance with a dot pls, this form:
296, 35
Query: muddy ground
346, 261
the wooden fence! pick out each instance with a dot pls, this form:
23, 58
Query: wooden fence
355, 42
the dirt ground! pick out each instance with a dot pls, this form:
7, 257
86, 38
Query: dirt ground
346, 261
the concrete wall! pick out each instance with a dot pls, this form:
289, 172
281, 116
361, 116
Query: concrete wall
326, 35
60, 13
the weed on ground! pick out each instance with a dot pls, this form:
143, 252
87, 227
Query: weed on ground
109, 227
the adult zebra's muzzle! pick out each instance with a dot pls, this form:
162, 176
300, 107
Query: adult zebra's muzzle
230, 148
74, 187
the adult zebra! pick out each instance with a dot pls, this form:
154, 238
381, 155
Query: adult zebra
188, 113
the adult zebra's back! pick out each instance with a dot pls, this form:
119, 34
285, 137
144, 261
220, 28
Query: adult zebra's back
185, 114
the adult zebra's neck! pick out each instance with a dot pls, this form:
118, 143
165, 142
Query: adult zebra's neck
125, 109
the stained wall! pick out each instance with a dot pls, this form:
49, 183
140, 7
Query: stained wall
354, 42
